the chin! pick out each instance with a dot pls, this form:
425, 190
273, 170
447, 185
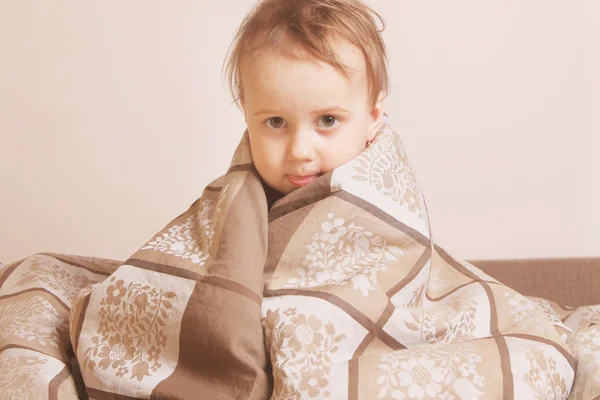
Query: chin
281, 188
289, 190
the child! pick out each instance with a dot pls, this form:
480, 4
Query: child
311, 79
335, 292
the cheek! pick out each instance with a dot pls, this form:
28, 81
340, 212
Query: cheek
340, 153
354, 145
265, 154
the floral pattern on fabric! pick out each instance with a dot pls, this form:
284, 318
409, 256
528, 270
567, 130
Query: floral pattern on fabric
192, 239
344, 253
50, 272
130, 335
18, 375
585, 345
443, 323
543, 376
584, 317
527, 312
451, 372
302, 348
386, 168
33, 319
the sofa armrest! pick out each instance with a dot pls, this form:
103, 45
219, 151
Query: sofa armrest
567, 281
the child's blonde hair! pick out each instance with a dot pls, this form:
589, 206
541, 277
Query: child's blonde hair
285, 26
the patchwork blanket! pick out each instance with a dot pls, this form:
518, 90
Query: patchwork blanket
335, 292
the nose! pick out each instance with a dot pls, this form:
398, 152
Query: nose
301, 147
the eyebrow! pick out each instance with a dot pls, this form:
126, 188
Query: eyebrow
322, 111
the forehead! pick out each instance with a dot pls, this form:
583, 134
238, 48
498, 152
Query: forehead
274, 76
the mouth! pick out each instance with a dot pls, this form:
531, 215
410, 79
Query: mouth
301, 180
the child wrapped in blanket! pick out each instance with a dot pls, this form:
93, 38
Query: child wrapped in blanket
311, 79
307, 271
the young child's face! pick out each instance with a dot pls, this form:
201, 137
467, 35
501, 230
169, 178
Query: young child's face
305, 119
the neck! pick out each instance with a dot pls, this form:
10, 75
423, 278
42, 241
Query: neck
272, 195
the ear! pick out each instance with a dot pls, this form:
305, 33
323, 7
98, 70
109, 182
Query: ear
376, 116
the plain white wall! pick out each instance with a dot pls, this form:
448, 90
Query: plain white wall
113, 117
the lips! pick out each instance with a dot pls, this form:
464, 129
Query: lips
301, 180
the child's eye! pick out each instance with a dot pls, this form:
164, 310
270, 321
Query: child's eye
275, 122
328, 121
